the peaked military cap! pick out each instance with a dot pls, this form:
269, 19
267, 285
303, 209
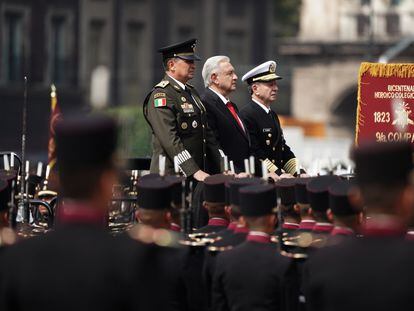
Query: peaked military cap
257, 200
286, 190
214, 188
154, 194
175, 181
383, 163
85, 142
318, 192
237, 183
263, 73
184, 50
339, 198
301, 193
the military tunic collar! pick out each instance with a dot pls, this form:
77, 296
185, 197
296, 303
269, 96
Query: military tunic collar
216, 221
323, 227
338, 230
180, 84
267, 110
384, 226
258, 236
290, 225
75, 212
175, 227
307, 224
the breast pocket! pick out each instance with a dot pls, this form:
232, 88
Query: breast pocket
188, 123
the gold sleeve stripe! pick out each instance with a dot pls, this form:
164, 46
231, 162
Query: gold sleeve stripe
291, 166
270, 166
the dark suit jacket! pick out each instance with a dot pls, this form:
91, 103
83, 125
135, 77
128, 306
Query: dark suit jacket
234, 142
266, 135
373, 273
250, 277
78, 267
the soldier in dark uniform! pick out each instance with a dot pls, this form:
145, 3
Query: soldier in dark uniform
345, 217
154, 202
266, 135
169, 217
374, 272
251, 275
302, 205
214, 196
290, 217
178, 118
319, 200
233, 237
286, 192
79, 266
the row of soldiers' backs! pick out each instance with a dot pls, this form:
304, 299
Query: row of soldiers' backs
266, 246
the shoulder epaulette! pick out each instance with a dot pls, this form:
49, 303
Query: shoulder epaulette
163, 84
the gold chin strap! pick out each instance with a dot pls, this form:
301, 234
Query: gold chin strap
291, 166
270, 166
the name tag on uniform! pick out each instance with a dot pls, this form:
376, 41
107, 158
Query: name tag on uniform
267, 130
187, 108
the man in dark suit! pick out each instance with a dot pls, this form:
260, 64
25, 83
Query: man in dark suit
267, 141
79, 266
251, 275
374, 272
223, 116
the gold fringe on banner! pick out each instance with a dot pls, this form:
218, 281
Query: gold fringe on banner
387, 70
379, 70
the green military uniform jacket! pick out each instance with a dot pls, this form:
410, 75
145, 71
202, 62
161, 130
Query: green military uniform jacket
179, 123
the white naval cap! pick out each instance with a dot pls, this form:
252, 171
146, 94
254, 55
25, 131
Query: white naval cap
264, 72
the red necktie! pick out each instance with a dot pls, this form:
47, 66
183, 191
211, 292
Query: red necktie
234, 113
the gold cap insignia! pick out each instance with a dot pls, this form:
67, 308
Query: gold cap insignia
272, 68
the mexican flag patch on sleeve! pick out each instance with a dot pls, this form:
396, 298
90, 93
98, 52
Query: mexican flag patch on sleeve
160, 102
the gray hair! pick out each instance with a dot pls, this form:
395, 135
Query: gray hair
211, 66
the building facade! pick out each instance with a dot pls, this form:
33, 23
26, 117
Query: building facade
65, 42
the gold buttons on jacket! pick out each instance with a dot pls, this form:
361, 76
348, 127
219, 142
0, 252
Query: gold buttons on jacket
269, 135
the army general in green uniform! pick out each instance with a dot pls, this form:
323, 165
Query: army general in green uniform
178, 118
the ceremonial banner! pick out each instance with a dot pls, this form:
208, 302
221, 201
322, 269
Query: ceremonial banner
55, 116
385, 103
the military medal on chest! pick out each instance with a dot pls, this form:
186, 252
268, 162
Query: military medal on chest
187, 107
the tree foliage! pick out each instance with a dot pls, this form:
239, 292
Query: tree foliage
286, 15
